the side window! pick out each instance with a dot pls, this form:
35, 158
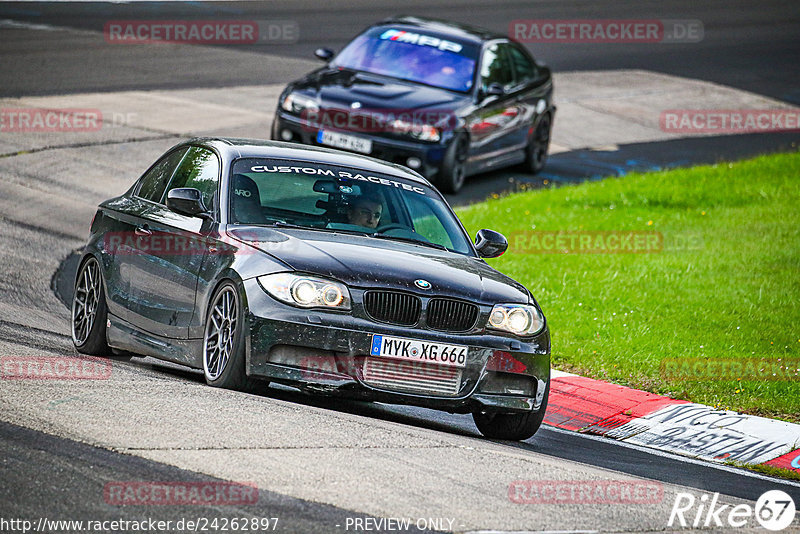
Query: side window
199, 169
524, 69
495, 67
426, 222
154, 182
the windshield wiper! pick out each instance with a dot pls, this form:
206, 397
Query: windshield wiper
411, 240
281, 224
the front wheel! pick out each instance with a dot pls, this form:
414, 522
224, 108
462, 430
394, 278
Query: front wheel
223, 342
513, 426
453, 172
89, 311
538, 145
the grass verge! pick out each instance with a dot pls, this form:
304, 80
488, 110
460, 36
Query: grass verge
699, 298
777, 472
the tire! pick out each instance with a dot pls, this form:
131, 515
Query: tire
223, 340
89, 311
452, 173
513, 427
538, 145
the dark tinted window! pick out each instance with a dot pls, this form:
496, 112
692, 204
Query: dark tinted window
154, 182
296, 194
199, 169
328, 198
524, 69
496, 67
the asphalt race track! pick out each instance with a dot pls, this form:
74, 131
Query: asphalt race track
319, 464
749, 48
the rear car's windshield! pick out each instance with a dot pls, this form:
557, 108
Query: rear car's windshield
328, 198
413, 55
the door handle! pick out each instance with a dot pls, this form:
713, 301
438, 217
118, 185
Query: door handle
143, 230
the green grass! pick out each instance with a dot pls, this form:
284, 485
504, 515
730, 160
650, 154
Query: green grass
764, 469
726, 284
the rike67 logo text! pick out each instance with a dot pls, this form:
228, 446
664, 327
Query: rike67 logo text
774, 510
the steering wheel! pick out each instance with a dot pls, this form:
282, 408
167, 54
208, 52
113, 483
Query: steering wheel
391, 226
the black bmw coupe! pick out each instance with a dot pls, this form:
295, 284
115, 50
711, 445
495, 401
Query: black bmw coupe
446, 100
261, 261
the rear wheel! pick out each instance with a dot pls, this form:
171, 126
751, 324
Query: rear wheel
512, 426
223, 343
89, 311
538, 145
453, 172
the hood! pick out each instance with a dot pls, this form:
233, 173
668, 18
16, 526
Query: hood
339, 88
368, 262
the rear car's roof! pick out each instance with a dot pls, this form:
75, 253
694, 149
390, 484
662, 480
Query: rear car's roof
463, 32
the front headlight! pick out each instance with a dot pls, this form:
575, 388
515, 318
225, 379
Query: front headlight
297, 104
423, 132
519, 319
306, 291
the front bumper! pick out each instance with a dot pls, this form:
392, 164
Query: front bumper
325, 352
431, 155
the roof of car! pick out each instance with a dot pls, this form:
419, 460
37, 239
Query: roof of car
464, 32
232, 147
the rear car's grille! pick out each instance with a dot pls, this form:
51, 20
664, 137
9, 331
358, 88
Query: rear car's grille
392, 307
451, 315
412, 376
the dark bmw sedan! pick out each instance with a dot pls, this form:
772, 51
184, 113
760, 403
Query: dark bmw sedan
338, 274
446, 100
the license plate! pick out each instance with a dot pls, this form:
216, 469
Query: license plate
348, 142
420, 351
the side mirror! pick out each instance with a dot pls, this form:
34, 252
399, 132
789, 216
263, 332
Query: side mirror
325, 54
495, 89
186, 201
490, 244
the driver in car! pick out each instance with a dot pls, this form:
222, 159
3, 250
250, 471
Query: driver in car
365, 211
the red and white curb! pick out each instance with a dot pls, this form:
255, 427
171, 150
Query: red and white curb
618, 412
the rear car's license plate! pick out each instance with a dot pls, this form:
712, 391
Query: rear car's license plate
348, 142
416, 350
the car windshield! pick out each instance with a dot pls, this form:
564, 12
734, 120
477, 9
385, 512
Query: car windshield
329, 198
414, 55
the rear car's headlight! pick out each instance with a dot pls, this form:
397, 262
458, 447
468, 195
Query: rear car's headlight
519, 319
297, 104
306, 291
423, 132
